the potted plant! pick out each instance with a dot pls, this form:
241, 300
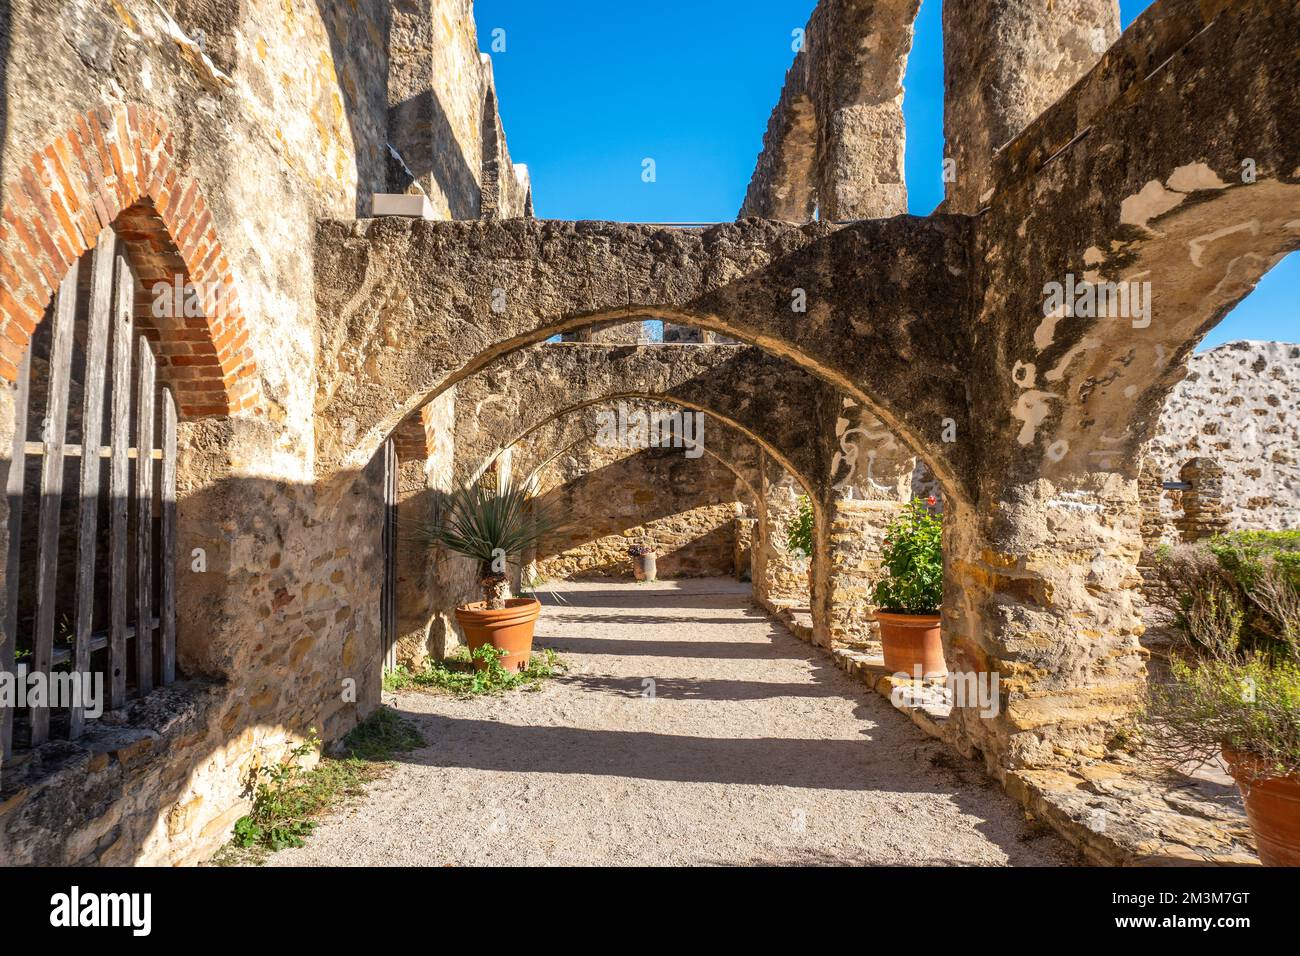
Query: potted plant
643, 556
494, 528
908, 597
1234, 685
799, 537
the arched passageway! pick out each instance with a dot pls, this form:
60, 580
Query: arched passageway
689, 729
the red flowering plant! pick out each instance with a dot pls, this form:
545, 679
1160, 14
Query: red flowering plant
913, 558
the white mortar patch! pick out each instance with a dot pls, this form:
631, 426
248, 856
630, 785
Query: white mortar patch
1154, 200
1031, 408
1190, 178
1046, 330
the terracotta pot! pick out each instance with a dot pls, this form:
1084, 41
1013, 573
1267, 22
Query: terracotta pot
643, 567
1272, 807
911, 640
509, 630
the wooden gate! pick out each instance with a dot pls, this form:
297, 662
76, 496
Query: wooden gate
90, 577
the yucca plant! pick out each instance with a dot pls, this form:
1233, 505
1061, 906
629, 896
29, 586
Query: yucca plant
495, 527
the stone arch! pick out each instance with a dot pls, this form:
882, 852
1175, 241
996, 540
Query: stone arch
1175, 161
876, 308
116, 166
777, 454
573, 427
770, 401
1192, 266
744, 459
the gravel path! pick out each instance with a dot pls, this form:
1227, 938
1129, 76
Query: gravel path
753, 748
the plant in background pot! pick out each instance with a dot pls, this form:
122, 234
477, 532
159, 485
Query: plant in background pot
644, 557
908, 598
1234, 685
494, 528
799, 537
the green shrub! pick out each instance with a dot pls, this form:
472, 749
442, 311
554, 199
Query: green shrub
1236, 684
1258, 570
1250, 704
913, 559
1246, 554
799, 536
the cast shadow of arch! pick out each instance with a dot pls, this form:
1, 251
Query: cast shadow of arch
884, 757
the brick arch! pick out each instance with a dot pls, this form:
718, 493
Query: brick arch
115, 166
414, 437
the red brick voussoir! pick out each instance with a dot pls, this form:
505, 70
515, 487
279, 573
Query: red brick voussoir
116, 166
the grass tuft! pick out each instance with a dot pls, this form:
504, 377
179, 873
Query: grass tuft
288, 797
459, 676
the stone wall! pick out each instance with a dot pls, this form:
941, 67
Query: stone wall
231, 149
1237, 406
611, 497
444, 123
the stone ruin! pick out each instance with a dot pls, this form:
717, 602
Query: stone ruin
343, 368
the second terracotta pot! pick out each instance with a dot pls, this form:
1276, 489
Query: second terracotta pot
911, 641
1272, 807
509, 630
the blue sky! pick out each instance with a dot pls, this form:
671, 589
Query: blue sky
589, 89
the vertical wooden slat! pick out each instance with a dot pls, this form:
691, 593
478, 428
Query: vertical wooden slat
13, 563
144, 411
119, 481
92, 419
167, 613
53, 433
388, 597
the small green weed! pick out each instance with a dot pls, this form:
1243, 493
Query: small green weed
288, 797
458, 674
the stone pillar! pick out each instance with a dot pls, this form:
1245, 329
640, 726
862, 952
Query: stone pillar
424, 54
869, 483
1005, 61
780, 577
851, 541
1041, 588
1154, 527
858, 55
746, 532
1204, 514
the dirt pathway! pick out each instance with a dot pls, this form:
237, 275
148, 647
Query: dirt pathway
690, 729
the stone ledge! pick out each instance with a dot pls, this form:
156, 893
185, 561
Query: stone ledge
1115, 810
1119, 814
